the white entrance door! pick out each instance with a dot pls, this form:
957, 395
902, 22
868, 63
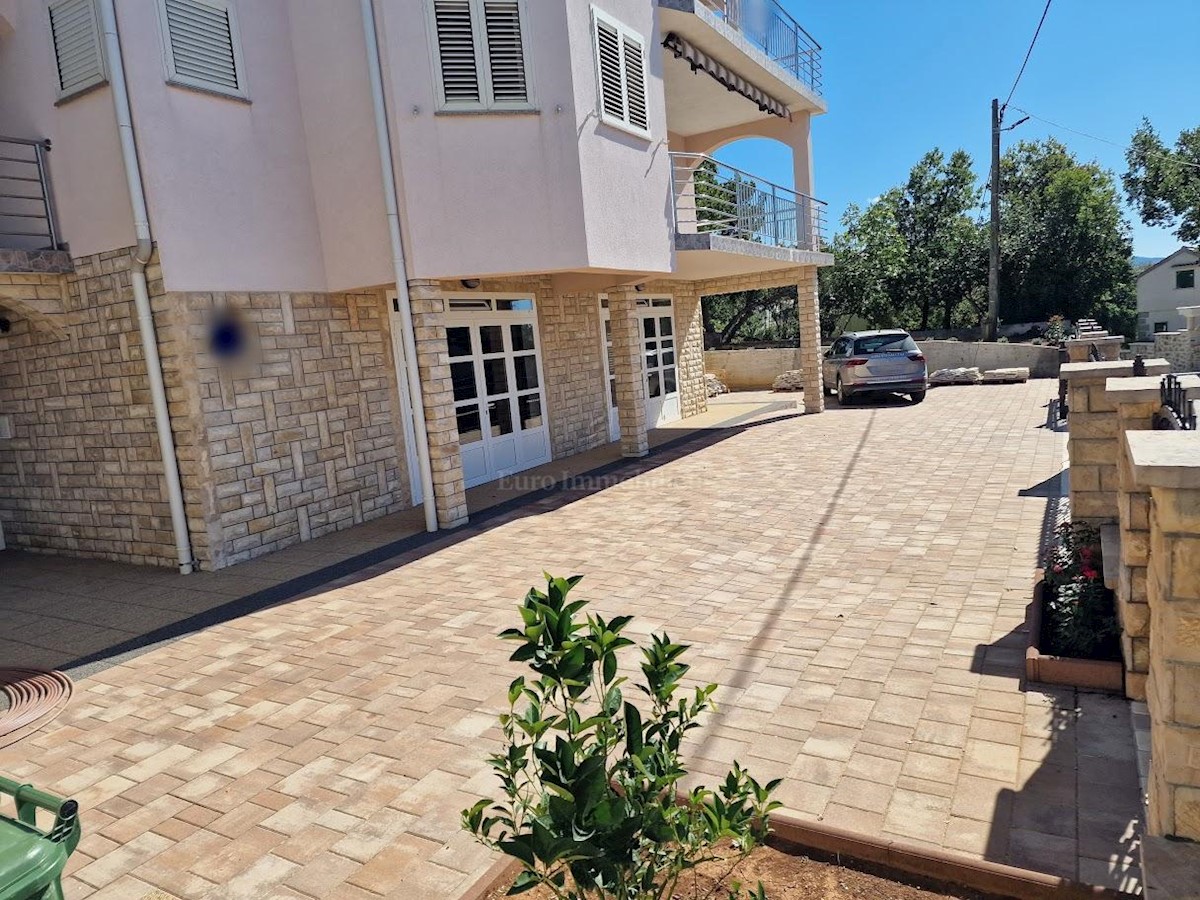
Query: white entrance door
659, 352
656, 325
499, 401
610, 381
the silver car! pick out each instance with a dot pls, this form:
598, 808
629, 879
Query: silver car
861, 362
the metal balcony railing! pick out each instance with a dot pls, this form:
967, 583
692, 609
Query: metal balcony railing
27, 220
771, 28
1177, 392
713, 198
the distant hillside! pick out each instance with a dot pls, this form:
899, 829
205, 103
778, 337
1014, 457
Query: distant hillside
1140, 262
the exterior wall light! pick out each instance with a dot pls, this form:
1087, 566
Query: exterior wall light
470, 283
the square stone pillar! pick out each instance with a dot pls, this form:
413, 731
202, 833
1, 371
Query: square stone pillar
809, 305
1107, 346
433, 363
627, 352
1092, 436
1168, 464
1136, 400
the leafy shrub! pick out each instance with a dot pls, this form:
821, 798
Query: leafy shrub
1080, 616
1002, 340
1056, 331
590, 804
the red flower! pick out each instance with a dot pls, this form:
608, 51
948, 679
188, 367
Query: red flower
1089, 573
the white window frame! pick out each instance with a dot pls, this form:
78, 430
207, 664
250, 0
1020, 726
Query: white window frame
60, 94
483, 65
623, 32
235, 38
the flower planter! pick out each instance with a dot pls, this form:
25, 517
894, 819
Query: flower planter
1090, 674
904, 861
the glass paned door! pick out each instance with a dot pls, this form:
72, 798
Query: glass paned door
659, 363
499, 403
610, 383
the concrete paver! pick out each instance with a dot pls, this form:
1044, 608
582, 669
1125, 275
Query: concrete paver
855, 582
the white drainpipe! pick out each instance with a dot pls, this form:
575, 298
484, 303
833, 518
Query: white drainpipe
141, 294
417, 404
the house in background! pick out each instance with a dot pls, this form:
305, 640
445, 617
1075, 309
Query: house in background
1162, 288
276, 267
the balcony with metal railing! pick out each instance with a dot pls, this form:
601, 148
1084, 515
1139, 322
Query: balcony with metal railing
751, 223
768, 26
27, 218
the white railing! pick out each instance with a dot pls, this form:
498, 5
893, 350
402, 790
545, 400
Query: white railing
714, 198
769, 27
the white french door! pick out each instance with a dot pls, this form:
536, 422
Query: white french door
610, 373
656, 328
499, 400
658, 362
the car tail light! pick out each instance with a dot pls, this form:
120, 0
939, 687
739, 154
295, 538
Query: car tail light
857, 361
917, 357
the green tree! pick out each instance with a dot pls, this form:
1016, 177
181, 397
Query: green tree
1163, 184
870, 256
936, 213
916, 257
1065, 246
769, 314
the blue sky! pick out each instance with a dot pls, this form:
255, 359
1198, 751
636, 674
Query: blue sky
904, 76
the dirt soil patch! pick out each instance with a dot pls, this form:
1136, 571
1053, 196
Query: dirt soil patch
790, 874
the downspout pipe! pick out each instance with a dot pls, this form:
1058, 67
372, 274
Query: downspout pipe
400, 267
141, 292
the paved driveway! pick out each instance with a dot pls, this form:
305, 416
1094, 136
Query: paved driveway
855, 582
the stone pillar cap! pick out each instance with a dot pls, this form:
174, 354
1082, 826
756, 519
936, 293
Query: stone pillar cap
1116, 368
1147, 387
1169, 459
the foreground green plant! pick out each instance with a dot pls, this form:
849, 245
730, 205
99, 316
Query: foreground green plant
590, 805
1081, 618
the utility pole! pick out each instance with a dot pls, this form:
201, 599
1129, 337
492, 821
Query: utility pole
992, 326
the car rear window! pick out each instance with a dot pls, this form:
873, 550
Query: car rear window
885, 343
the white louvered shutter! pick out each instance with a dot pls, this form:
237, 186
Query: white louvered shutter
612, 80
456, 51
506, 51
201, 38
635, 83
76, 33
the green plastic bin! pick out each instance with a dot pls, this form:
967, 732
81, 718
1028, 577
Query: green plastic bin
32, 860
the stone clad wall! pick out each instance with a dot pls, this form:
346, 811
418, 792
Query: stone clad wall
1168, 464
82, 473
1093, 433
299, 434
569, 330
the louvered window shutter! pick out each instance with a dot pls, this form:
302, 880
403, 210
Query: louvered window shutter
456, 51
506, 51
77, 49
202, 44
635, 83
612, 80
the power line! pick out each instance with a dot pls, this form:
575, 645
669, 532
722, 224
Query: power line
1172, 159
1028, 53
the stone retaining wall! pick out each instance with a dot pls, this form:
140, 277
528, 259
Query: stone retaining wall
755, 369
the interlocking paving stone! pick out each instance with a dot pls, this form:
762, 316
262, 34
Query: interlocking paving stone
856, 583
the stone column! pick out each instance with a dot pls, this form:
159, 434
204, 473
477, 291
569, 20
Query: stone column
1168, 464
429, 326
1136, 400
809, 306
627, 364
1092, 438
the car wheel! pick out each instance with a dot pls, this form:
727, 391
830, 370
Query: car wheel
917, 396
842, 395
